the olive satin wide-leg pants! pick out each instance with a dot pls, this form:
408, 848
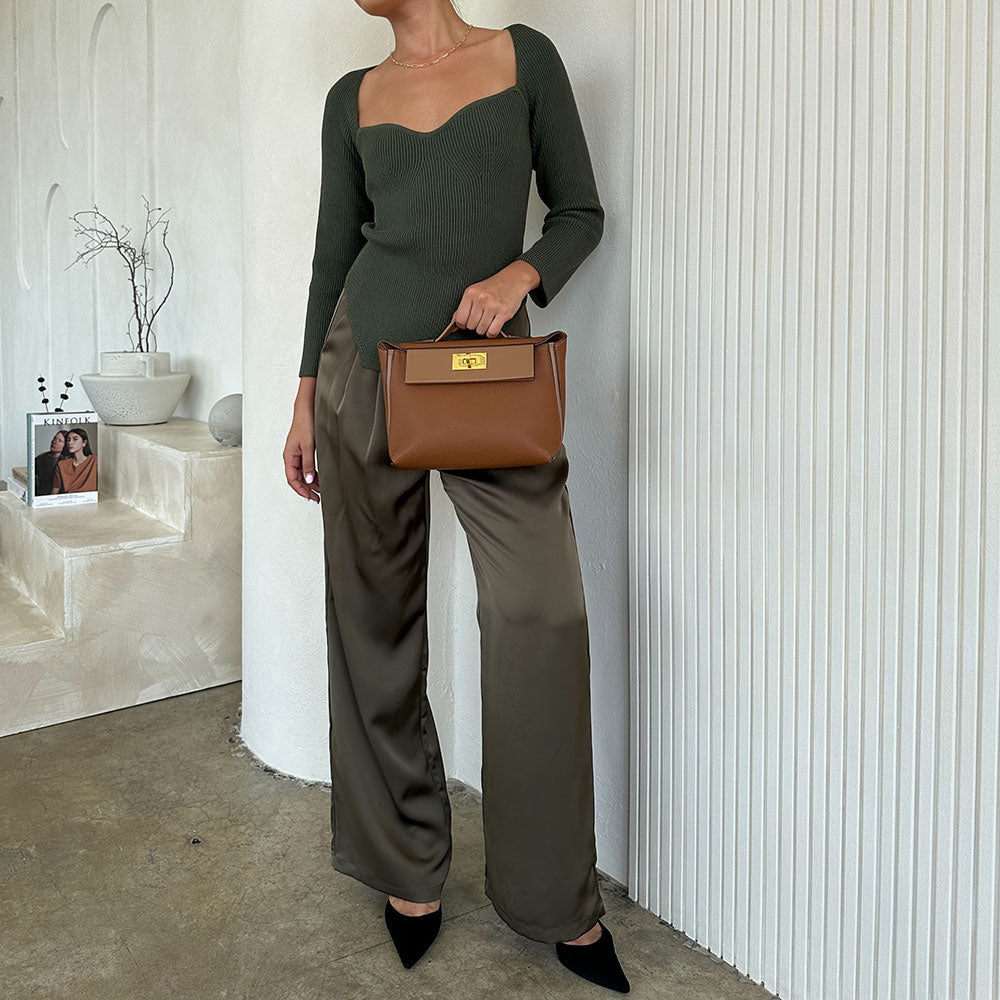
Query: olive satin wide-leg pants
390, 813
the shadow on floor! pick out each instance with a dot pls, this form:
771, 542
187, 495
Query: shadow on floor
145, 853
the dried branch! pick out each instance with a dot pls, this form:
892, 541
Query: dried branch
106, 236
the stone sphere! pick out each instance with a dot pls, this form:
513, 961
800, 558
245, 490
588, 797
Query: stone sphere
225, 420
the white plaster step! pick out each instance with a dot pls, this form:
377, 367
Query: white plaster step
149, 466
22, 622
104, 526
145, 585
36, 542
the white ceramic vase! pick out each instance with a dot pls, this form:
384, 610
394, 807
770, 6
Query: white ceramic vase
135, 387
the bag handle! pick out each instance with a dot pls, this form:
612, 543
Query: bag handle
452, 326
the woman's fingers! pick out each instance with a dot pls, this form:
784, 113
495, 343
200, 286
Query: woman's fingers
298, 469
486, 305
308, 465
484, 319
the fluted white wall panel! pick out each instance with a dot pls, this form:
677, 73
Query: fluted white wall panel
815, 534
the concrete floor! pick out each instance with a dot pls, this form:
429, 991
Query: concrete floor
145, 853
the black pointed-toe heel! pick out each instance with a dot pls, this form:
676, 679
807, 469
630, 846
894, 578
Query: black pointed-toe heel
596, 962
412, 936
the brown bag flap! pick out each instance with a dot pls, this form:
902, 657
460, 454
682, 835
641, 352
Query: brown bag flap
470, 362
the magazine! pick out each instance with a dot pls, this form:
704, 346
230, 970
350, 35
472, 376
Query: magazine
18, 482
62, 458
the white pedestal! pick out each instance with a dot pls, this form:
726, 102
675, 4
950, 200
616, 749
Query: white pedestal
131, 599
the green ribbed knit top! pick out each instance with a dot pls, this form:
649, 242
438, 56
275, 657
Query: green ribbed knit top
408, 219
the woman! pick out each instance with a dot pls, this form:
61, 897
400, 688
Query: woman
77, 472
45, 464
426, 170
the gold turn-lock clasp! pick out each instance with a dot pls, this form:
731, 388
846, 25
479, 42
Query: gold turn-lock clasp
466, 360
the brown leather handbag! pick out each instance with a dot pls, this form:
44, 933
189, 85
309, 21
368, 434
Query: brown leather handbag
478, 403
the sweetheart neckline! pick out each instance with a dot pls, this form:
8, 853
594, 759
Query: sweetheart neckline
516, 85
448, 120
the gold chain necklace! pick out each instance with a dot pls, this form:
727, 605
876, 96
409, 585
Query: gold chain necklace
439, 58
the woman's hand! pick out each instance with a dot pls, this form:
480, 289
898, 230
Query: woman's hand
487, 305
300, 446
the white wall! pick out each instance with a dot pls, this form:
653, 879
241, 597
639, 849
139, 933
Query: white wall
105, 103
816, 554
290, 54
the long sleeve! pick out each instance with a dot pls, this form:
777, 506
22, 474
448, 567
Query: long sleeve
343, 207
564, 175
